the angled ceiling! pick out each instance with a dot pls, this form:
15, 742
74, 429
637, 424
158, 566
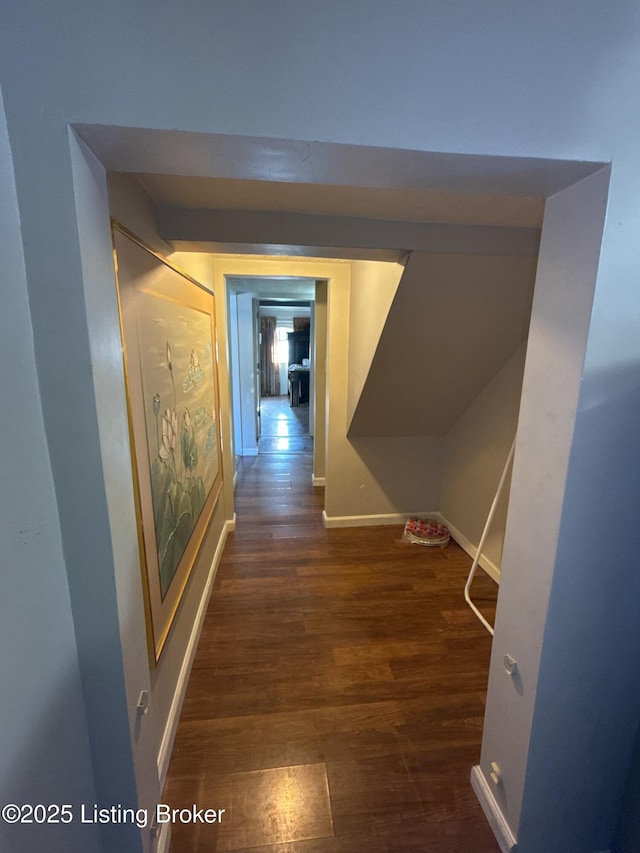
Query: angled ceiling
453, 324
227, 193
201, 155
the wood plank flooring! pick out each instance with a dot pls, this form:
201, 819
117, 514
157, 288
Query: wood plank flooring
284, 428
337, 695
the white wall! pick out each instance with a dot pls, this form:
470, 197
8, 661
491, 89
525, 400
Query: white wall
234, 373
45, 754
543, 79
247, 374
320, 375
284, 378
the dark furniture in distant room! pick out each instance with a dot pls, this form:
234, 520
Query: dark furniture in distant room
298, 367
298, 384
298, 346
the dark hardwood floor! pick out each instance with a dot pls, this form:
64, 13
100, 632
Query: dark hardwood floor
337, 694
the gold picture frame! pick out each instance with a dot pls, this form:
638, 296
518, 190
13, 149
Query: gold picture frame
167, 322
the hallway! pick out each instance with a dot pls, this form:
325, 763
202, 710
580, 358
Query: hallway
337, 695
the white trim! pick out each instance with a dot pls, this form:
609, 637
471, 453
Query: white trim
249, 451
491, 809
168, 737
317, 481
163, 838
484, 562
372, 520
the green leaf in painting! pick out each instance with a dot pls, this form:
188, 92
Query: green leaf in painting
195, 487
177, 526
189, 450
161, 480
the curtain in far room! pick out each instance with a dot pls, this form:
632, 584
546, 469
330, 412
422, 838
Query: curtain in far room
269, 373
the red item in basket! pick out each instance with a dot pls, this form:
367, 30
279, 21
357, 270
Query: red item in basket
426, 532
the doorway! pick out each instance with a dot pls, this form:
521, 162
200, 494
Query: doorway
572, 237
271, 412
285, 371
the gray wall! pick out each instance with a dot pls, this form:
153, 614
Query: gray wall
44, 744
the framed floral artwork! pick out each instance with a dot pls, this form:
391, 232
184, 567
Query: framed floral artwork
168, 337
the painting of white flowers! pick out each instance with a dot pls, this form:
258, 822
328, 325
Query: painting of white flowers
168, 327
178, 394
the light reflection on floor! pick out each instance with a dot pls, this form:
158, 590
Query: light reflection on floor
273, 806
283, 428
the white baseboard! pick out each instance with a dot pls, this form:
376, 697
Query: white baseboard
249, 451
317, 481
371, 520
400, 518
484, 562
166, 745
494, 816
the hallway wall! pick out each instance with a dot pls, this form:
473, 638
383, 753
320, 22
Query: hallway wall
131, 207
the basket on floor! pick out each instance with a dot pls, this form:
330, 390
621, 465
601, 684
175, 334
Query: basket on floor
425, 531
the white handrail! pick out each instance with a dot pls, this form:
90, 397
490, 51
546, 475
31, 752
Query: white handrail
474, 566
